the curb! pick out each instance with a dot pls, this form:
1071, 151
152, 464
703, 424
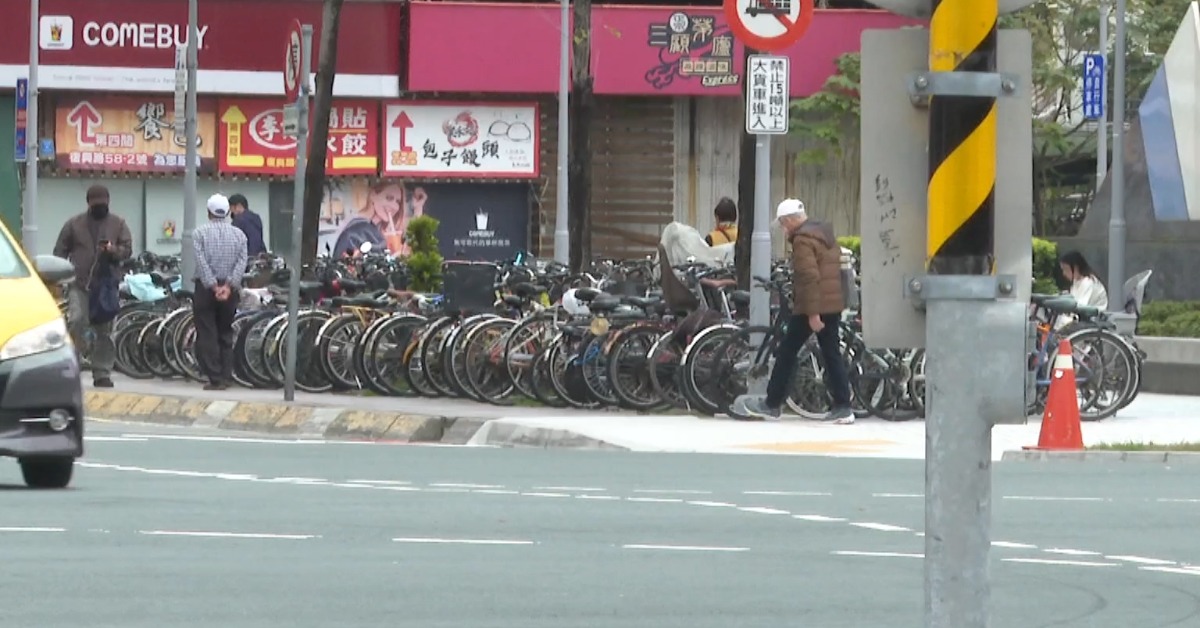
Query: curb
329, 423
1174, 457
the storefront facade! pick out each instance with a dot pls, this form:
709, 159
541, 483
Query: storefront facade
463, 128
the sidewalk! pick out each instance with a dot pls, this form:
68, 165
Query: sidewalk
1152, 418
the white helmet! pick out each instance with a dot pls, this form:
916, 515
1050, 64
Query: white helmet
572, 305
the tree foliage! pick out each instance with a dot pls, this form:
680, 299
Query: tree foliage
830, 115
425, 262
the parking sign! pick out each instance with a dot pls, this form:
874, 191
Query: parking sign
1093, 86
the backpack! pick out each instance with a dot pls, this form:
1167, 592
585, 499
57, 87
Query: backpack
104, 296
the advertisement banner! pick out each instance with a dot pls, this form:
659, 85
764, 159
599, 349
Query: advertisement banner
462, 140
252, 139
129, 134
479, 221
129, 45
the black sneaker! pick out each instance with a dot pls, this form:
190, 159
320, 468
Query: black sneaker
840, 416
102, 382
758, 409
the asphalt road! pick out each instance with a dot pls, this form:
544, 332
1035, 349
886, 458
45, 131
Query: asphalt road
177, 528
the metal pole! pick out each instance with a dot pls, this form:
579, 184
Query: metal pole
188, 257
562, 237
289, 385
1116, 222
1102, 129
760, 245
29, 230
960, 244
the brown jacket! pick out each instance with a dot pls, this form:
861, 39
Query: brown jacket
77, 243
816, 270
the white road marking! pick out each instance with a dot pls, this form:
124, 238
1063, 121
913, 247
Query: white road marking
685, 548
1175, 570
819, 518
789, 493
581, 489
1071, 563
458, 485
668, 491
407, 489
115, 439
1178, 501
1037, 498
293, 480
229, 535
31, 529
1142, 560
655, 500
1010, 545
878, 554
495, 491
763, 511
351, 485
600, 497
713, 504
410, 539
235, 476
898, 495
1070, 552
382, 482
447, 490
882, 527
545, 494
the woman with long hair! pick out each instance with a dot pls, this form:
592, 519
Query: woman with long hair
1086, 287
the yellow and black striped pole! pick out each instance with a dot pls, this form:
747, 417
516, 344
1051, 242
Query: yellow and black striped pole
962, 143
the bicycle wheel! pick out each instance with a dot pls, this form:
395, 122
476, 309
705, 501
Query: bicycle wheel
454, 356
414, 367
699, 365
593, 368
563, 362
524, 343
483, 350
336, 340
629, 369
540, 381
432, 349
385, 365
664, 362
151, 346
126, 345
1105, 372
248, 350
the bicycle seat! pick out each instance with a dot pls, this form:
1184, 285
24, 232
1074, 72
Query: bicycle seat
513, 300
527, 290
646, 303
718, 284
183, 293
740, 297
161, 280
604, 303
586, 294
367, 301
352, 285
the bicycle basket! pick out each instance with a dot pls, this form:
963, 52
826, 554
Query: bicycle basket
469, 287
677, 296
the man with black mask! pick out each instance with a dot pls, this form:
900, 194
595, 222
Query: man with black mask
96, 242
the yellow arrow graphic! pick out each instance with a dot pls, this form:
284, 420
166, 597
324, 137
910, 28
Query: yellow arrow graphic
233, 119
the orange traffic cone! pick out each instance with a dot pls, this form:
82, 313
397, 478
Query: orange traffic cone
1061, 429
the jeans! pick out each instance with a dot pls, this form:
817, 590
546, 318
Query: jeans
214, 333
103, 354
798, 331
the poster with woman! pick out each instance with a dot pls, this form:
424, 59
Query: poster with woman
479, 221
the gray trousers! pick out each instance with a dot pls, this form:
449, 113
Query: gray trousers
103, 354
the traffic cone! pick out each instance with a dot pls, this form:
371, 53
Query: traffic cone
1061, 428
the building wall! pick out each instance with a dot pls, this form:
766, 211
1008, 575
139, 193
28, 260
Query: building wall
10, 187
144, 204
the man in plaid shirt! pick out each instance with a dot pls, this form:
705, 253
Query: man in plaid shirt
220, 264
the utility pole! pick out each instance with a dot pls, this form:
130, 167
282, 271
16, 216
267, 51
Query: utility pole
1116, 221
29, 229
1102, 129
562, 236
188, 254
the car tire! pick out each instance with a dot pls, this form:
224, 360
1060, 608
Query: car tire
47, 472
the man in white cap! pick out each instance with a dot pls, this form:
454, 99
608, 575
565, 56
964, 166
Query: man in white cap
220, 264
817, 304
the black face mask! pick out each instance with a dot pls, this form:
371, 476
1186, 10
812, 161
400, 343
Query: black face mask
98, 211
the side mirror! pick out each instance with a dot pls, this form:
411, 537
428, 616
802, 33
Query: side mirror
54, 269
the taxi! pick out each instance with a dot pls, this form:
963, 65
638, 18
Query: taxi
41, 395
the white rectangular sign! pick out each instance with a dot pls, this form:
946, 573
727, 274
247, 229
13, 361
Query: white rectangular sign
181, 76
462, 140
767, 95
291, 120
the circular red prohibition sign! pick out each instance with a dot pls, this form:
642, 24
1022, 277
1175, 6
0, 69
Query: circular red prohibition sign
769, 25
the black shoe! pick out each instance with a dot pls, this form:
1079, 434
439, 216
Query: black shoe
102, 382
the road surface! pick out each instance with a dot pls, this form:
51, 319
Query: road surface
182, 528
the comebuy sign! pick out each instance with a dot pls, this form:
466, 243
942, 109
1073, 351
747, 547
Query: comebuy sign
137, 35
129, 45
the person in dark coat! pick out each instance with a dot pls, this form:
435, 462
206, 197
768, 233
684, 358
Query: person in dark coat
250, 224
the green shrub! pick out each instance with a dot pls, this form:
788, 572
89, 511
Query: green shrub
1184, 324
854, 243
1161, 311
1045, 261
425, 262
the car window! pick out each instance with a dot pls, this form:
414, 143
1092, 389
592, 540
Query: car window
11, 265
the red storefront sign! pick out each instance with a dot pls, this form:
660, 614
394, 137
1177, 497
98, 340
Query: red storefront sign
129, 45
668, 51
251, 138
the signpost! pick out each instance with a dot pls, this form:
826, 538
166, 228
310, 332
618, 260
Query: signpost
181, 81
946, 259
769, 26
296, 70
1093, 86
191, 138
20, 125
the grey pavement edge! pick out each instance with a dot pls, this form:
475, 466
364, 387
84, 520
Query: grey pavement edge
1033, 455
327, 422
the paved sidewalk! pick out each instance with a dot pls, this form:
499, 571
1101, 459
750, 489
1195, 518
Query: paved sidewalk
1160, 419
